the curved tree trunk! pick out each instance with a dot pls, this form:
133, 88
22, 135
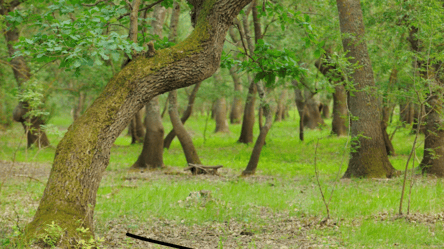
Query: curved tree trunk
185, 115
183, 136
221, 116
369, 156
83, 154
255, 154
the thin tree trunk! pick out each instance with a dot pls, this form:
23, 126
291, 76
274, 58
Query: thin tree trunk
280, 112
221, 116
183, 136
185, 115
268, 112
236, 107
136, 125
246, 135
79, 107
340, 113
386, 110
368, 156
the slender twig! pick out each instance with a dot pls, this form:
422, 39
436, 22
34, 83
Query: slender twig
317, 180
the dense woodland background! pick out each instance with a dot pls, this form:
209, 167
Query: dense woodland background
325, 115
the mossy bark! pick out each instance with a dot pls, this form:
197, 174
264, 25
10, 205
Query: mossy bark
83, 154
369, 156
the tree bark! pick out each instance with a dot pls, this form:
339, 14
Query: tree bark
185, 115
340, 113
79, 107
268, 112
136, 128
22, 73
221, 116
83, 154
246, 135
312, 114
182, 134
326, 110
152, 151
386, 111
280, 112
236, 106
368, 156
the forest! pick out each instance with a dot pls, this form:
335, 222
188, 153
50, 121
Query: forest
221, 124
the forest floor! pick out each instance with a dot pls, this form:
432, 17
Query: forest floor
280, 207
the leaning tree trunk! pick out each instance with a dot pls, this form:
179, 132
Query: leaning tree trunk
368, 156
83, 154
221, 116
185, 115
182, 134
22, 73
268, 112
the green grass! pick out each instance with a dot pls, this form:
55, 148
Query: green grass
284, 184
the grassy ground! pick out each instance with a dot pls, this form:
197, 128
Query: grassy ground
280, 207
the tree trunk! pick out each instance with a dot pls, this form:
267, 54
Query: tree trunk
386, 111
326, 109
221, 116
83, 154
79, 107
183, 136
268, 112
280, 112
340, 113
137, 130
236, 107
368, 154
406, 113
31, 125
185, 115
246, 135
312, 114
152, 151
301, 99
433, 160
22, 73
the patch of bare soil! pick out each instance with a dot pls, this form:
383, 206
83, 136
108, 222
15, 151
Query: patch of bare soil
33, 171
276, 231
